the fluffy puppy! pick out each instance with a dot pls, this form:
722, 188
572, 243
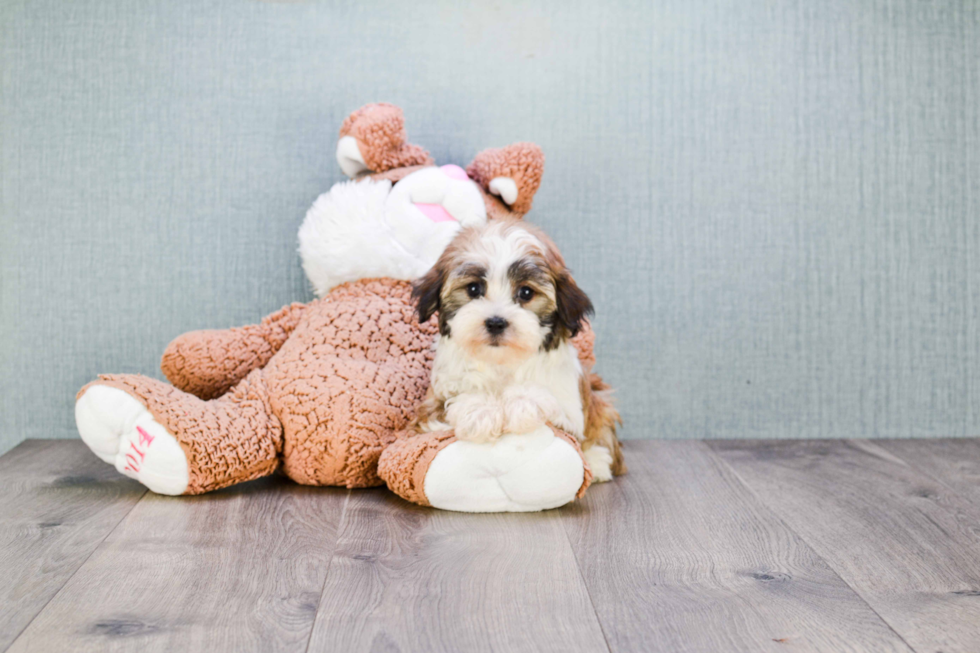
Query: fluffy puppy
508, 309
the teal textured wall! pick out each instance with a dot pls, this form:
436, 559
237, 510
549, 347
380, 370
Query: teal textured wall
774, 204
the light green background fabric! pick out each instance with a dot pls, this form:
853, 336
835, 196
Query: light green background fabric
774, 204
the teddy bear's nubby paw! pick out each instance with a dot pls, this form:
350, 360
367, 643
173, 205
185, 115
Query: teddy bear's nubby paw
121, 431
516, 473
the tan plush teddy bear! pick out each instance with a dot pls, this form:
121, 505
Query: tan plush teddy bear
320, 390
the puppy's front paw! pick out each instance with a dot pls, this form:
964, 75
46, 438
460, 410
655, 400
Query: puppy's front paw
527, 408
600, 460
476, 418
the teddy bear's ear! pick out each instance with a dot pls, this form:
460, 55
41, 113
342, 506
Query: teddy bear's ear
512, 173
373, 139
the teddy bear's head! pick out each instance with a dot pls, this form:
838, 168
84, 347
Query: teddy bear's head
400, 210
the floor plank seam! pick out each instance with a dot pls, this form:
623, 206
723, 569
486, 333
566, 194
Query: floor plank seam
936, 479
808, 542
588, 592
326, 575
83, 563
764, 504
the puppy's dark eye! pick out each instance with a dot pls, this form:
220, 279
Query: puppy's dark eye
525, 293
474, 290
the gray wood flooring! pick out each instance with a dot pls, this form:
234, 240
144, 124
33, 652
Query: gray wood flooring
788, 545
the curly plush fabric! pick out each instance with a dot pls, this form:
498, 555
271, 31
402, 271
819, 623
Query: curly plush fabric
349, 371
326, 388
404, 463
320, 390
208, 363
348, 379
587, 479
381, 138
584, 342
229, 440
522, 162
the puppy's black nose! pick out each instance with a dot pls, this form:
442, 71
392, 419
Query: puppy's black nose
496, 325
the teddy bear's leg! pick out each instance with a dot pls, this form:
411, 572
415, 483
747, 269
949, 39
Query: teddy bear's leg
120, 431
516, 473
175, 443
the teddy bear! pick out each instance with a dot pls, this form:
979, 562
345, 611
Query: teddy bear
324, 392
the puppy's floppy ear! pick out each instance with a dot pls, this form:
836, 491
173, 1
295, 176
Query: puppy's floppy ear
574, 306
426, 292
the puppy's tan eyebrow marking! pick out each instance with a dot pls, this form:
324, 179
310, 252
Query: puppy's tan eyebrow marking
471, 271
523, 270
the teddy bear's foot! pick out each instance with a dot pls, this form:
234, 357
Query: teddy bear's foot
119, 429
516, 473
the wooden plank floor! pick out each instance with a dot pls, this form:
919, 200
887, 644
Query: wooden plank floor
705, 546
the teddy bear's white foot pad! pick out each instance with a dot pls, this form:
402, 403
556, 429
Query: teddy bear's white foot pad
122, 432
516, 473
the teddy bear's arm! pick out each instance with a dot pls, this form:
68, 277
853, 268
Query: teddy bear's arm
584, 343
208, 363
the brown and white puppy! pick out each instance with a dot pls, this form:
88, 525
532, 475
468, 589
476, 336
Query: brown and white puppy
508, 309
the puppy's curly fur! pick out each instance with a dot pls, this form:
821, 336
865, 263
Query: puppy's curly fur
508, 308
